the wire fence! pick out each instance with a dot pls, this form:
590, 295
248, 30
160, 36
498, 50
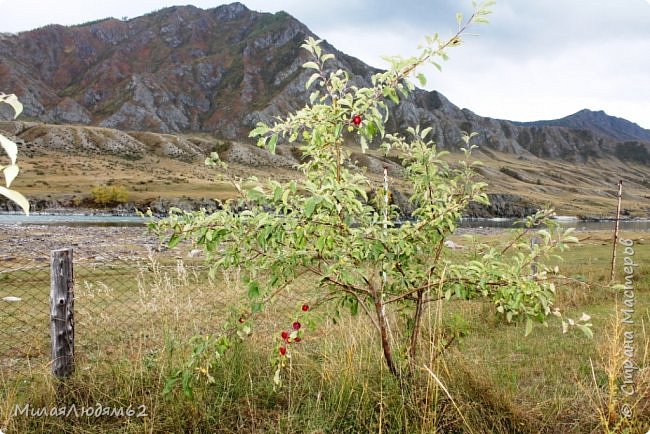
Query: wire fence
125, 288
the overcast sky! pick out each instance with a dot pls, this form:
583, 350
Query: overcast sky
537, 59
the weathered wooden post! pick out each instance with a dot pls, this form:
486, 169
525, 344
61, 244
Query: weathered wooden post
616, 226
62, 312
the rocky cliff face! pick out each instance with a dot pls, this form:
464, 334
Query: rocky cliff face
178, 69
222, 70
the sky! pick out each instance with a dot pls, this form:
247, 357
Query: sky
536, 60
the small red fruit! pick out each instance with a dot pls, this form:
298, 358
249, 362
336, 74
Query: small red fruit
356, 120
305, 307
296, 325
285, 335
297, 339
283, 351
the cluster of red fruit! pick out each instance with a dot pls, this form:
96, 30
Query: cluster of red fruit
292, 337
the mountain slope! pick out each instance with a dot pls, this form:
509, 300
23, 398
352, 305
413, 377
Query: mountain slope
614, 127
221, 70
60, 164
178, 69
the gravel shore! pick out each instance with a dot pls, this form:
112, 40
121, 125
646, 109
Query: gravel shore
36, 242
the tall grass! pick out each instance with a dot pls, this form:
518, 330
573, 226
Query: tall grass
474, 373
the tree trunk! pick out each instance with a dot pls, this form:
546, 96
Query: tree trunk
385, 343
416, 325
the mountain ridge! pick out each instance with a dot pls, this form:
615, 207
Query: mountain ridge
222, 70
615, 127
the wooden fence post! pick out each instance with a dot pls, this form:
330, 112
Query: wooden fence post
62, 312
618, 219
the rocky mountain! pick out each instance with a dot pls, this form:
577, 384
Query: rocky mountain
177, 69
614, 127
221, 70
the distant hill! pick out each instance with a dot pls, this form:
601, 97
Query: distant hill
221, 70
614, 127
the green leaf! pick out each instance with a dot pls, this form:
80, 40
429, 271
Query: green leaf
259, 130
320, 243
310, 205
338, 130
272, 142
277, 193
261, 142
276, 377
425, 132
187, 384
327, 57
254, 194
253, 289
529, 326
392, 94
354, 307
370, 129
173, 241
311, 80
170, 383
311, 65
422, 79
586, 330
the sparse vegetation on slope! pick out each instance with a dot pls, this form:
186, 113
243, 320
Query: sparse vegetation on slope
59, 162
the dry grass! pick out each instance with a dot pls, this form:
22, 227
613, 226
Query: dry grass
493, 379
573, 189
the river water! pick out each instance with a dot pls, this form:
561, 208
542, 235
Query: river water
111, 220
72, 220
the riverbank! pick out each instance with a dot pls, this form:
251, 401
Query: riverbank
504, 206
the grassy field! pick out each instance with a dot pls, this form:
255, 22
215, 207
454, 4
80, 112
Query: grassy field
492, 379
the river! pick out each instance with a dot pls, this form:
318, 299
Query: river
111, 220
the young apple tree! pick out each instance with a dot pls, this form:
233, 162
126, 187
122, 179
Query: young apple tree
324, 225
